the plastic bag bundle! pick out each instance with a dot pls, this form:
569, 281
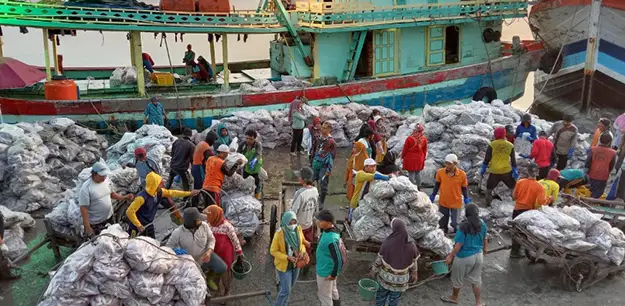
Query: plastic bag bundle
586, 218
578, 245
600, 234
381, 234
437, 242
405, 197
382, 190
535, 218
366, 227
616, 255
560, 219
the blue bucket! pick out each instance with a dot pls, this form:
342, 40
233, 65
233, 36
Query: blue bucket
440, 267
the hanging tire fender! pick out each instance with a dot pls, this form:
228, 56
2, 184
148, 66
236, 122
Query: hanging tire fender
488, 35
485, 92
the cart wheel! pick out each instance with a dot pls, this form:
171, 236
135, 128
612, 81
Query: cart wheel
576, 274
273, 221
531, 256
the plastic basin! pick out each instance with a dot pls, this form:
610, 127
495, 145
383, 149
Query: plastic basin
368, 289
241, 271
440, 267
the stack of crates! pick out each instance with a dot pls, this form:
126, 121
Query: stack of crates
163, 78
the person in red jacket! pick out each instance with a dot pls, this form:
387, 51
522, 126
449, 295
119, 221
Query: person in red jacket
414, 152
600, 161
148, 63
543, 154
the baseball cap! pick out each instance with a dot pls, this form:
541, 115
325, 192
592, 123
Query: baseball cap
192, 214
451, 158
140, 151
100, 168
223, 148
553, 174
370, 162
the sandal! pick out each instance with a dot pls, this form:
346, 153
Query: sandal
446, 299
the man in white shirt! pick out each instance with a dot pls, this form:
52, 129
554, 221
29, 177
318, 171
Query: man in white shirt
94, 200
305, 205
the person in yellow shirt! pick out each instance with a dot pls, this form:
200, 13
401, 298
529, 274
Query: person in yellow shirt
362, 150
500, 161
363, 180
142, 210
552, 188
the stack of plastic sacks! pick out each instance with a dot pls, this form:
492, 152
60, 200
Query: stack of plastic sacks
39, 160
65, 218
241, 208
398, 198
575, 228
116, 270
466, 130
14, 225
286, 83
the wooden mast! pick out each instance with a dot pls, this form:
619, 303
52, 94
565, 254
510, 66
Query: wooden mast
55, 56
592, 47
46, 54
213, 59
224, 50
137, 60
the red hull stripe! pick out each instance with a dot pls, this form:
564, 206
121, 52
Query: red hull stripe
552, 4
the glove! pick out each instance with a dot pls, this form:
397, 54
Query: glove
526, 136
570, 153
515, 173
432, 197
524, 155
484, 166
467, 201
253, 163
180, 251
4, 249
379, 176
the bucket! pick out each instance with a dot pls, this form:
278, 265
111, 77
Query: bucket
440, 267
368, 289
240, 271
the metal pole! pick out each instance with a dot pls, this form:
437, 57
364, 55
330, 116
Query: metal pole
213, 59
592, 47
224, 50
55, 56
46, 54
136, 59
1, 46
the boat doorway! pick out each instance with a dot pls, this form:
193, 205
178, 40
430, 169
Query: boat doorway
365, 62
452, 45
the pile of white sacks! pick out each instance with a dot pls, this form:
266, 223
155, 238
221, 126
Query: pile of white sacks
155, 139
116, 270
399, 198
14, 225
576, 228
39, 160
241, 208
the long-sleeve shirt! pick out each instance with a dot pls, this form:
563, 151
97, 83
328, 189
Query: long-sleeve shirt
182, 153
196, 243
143, 168
552, 189
530, 129
363, 180
529, 194
305, 205
155, 113
298, 120
226, 228
543, 152
138, 201
392, 279
564, 138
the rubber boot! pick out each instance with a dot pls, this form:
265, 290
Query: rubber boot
336, 302
489, 197
210, 281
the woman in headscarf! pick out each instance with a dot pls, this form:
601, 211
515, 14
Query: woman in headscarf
287, 246
468, 255
298, 122
226, 245
414, 152
223, 136
396, 265
314, 138
360, 152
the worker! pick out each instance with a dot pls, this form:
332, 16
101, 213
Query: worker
181, 157
363, 179
550, 183
600, 162
379, 140
227, 246
371, 123
313, 137
501, 163
305, 206
330, 257
510, 133
154, 113
526, 127
470, 245
142, 210
298, 122
603, 126
206, 65
452, 183
361, 151
144, 165
196, 238
572, 178
388, 166
396, 265
528, 194
215, 173
188, 60
564, 140
287, 248
323, 161
94, 199
252, 149
201, 153
223, 136
414, 152
5, 263
543, 154
148, 63
200, 74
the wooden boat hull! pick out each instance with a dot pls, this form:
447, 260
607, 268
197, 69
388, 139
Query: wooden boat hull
507, 75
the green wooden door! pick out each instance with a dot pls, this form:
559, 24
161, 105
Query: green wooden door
385, 51
435, 46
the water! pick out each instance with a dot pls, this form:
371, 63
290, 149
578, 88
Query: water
111, 49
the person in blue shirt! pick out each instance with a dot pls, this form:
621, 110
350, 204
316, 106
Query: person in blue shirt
526, 127
468, 255
572, 178
154, 113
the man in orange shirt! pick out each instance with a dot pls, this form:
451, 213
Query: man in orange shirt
600, 162
602, 127
215, 173
452, 182
528, 194
201, 154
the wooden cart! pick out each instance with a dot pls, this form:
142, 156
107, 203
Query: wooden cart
610, 211
579, 270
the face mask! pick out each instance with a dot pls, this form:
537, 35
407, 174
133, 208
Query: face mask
292, 226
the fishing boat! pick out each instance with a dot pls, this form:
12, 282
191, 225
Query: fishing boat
584, 68
401, 54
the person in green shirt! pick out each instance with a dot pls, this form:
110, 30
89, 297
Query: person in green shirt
298, 122
189, 60
329, 259
252, 149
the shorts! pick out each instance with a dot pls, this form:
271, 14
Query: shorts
469, 268
494, 179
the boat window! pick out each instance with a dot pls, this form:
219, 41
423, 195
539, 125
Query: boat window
452, 45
